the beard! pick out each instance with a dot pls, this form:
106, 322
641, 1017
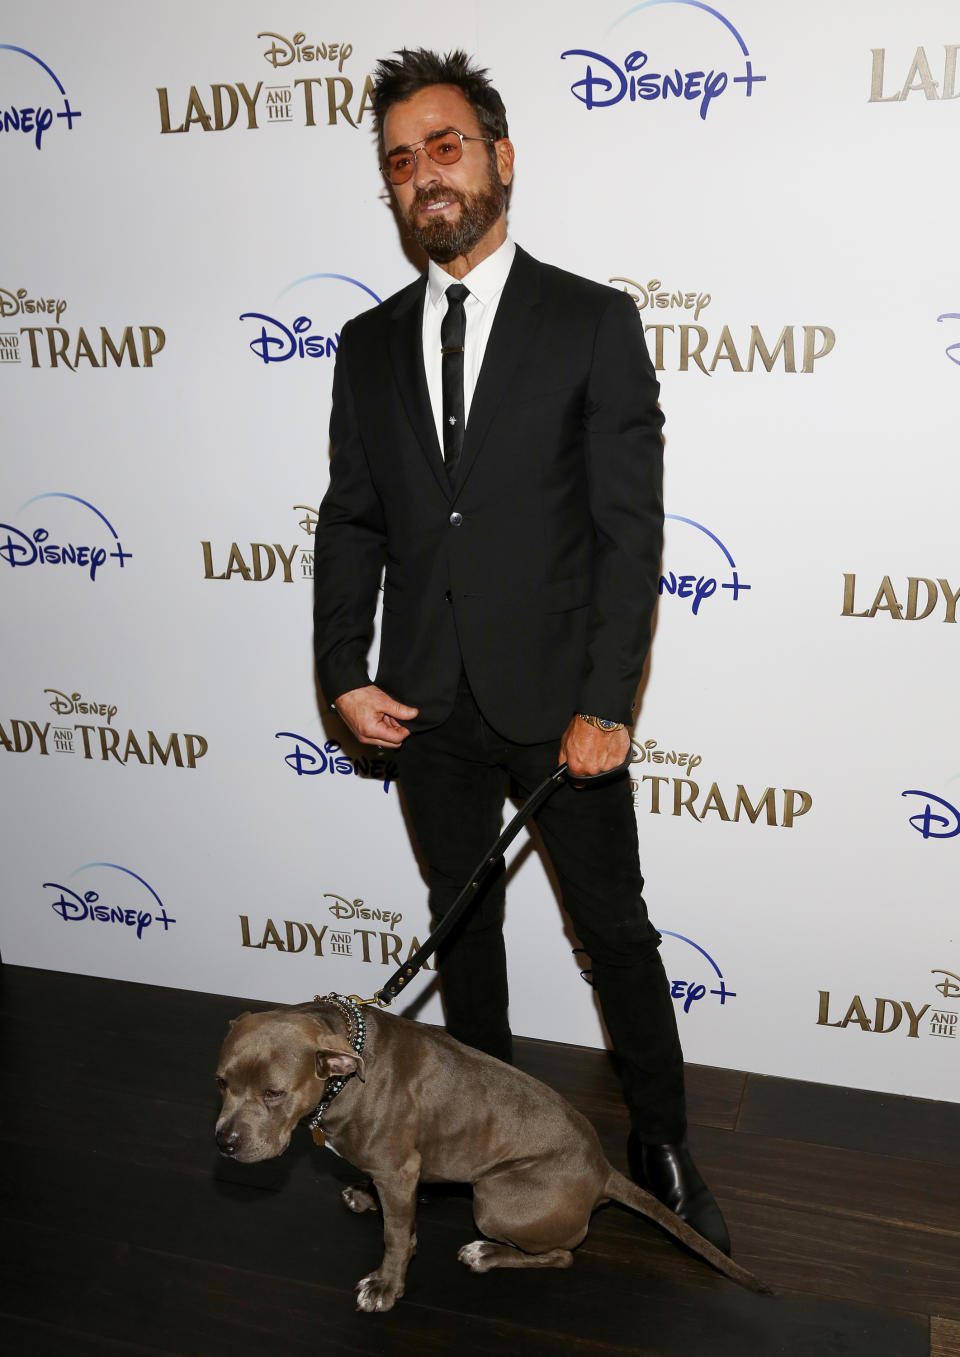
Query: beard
443, 240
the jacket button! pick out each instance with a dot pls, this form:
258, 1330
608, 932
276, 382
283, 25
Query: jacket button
448, 597
456, 519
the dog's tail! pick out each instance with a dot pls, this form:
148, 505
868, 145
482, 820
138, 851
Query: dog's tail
621, 1189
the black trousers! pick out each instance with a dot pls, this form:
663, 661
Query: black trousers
452, 780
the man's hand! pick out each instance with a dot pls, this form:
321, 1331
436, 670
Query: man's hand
374, 716
586, 750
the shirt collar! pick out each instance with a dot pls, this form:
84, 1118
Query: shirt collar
485, 282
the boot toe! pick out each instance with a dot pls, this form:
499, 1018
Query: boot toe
669, 1173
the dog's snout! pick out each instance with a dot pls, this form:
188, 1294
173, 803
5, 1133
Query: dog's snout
228, 1142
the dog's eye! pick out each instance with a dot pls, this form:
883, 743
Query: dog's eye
271, 1094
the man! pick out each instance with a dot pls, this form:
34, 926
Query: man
496, 443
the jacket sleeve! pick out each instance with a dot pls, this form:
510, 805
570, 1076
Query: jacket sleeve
624, 457
349, 548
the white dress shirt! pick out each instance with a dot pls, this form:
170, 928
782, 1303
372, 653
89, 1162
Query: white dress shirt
485, 283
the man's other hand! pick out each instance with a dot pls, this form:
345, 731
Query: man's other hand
587, 751
374, 716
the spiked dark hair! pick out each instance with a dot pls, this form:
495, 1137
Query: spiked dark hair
417, 69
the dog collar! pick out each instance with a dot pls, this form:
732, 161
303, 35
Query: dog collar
356, 1033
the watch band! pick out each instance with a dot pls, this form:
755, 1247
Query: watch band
598, 722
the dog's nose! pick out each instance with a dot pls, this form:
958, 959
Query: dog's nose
228, 1142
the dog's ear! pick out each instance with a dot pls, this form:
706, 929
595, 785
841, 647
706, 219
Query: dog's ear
238, 1017
336, 1057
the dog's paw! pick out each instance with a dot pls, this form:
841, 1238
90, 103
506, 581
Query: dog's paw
356, 1199
477, 1255
374, 1295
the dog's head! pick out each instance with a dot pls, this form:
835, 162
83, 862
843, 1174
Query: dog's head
272, 1071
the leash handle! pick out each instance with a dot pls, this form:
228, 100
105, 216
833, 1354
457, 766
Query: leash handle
402, 977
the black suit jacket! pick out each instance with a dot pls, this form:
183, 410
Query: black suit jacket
537, 571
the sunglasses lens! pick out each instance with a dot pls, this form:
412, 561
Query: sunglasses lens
400, 167
444, 149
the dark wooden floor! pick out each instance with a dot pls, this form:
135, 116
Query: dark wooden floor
123, 1232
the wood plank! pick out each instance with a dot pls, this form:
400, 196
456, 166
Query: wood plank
190, 1306
588, 1078
840, 1223
127, 1036
38, 1338
876, 1263
879, 1123
303, 1235
112, 1171
836, 1182
944, 1337
292, 1232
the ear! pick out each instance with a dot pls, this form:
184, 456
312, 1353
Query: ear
336, 1057
504, 153
238, 1017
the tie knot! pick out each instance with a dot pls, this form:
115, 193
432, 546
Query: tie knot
456, 294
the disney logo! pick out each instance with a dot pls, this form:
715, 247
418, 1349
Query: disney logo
649, 296
75, 908
650, 752
67, 706
280, 343
308, 760
20, 550
949, 986
932, 824
18, 303
356, 909
295, 49
611, 83
309, 523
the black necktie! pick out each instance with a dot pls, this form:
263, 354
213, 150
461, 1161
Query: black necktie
452, 334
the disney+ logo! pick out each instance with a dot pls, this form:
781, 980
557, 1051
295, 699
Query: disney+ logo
952, 350
88, 906
698, 983
35, 119
697, 586
606, 82
20, 548
278, 343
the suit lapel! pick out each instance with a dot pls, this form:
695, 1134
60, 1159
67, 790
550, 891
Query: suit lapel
507, 351
406, 355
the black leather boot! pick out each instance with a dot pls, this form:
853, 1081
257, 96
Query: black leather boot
669, 1174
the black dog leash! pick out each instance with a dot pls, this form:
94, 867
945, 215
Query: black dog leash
491, 859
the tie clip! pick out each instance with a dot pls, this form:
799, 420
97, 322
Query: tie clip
445, 351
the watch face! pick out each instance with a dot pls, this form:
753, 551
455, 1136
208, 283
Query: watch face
607, 725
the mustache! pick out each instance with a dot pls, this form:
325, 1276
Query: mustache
424, 196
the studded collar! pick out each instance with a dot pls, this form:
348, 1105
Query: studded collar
356, 1035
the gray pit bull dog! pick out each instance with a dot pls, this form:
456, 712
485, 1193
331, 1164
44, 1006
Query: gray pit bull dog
419, 1106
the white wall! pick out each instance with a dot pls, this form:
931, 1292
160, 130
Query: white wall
815, 205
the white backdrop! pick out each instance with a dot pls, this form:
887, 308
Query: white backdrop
194, 210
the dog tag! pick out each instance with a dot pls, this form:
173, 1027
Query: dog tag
318, 1137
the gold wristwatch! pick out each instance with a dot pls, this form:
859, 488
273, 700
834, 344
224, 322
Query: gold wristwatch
608, 727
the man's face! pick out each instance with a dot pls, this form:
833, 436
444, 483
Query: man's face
448, 209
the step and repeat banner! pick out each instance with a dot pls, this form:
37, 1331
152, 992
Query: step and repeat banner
193, 210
